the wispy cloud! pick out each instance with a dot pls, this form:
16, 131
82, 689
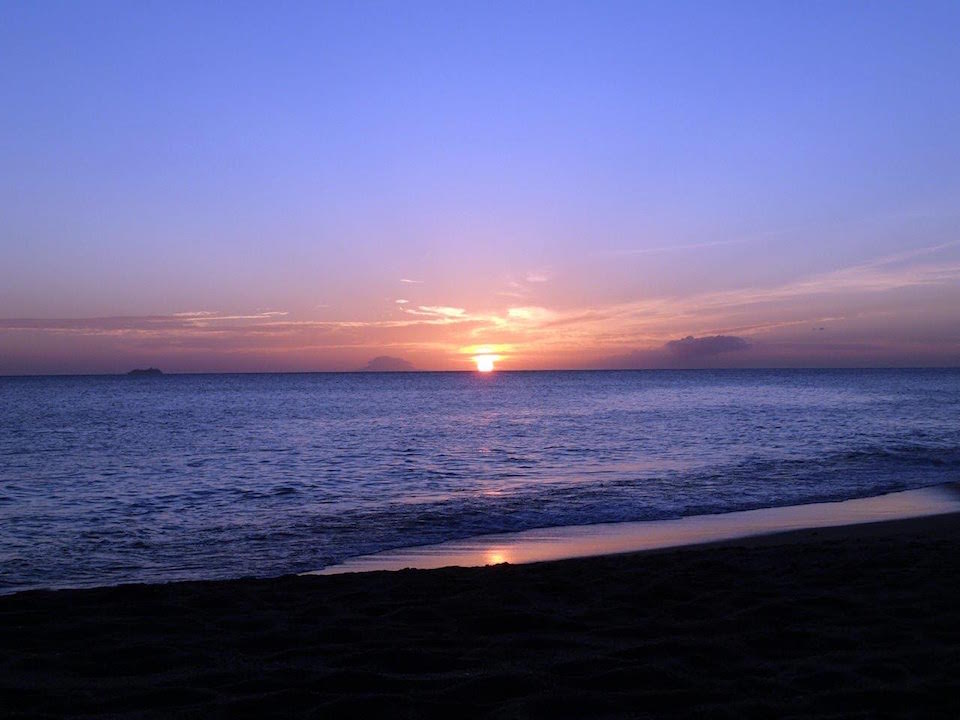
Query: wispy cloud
531, 314
409, 281
437, 311
675, 248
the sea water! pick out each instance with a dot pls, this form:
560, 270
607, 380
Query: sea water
110, 479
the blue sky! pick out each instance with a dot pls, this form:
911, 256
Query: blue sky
271, 172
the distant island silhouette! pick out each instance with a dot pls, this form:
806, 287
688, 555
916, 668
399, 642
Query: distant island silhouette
146, 371
385, 363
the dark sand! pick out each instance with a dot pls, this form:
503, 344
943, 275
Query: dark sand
861, 621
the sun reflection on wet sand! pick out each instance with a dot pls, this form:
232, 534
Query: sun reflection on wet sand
611, 538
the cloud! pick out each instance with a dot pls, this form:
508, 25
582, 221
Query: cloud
673, 248
438, 311
191, 321
408, 281
209, 317
538, 276
530, 314
688, 351
690, 347
401, 301
386, 363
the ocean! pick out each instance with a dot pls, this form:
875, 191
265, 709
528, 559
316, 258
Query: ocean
116, 479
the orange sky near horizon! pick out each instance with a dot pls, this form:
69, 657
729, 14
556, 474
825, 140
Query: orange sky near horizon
879, 312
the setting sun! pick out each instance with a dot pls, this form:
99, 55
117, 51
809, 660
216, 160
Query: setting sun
485, 363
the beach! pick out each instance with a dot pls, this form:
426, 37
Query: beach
851, 621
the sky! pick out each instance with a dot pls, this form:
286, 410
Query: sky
211, 187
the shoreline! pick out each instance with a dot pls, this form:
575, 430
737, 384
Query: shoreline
567, 542
850, 620
599, 539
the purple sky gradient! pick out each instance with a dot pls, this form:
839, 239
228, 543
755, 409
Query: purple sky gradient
307, 187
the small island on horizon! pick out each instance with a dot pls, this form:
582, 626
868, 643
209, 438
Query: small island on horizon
385, 363
146, 371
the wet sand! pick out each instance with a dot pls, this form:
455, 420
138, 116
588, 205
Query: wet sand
573, 541
857, 621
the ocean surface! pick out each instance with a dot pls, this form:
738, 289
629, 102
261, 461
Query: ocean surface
110, 479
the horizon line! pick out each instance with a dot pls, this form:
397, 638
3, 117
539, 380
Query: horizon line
495, 372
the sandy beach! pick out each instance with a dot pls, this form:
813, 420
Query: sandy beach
858, 621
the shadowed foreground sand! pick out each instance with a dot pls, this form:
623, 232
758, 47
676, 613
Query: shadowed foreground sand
859, 621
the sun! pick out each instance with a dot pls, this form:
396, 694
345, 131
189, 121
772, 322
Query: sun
485, 363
